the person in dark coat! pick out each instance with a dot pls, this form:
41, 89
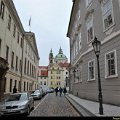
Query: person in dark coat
56, 90
14, 89
60, 90
64, 91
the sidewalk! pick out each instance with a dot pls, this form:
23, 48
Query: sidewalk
90, 108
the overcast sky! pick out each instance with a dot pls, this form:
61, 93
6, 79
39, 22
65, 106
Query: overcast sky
49, 22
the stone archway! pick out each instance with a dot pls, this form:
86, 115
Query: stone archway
3, 70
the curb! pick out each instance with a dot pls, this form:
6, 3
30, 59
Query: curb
80, 109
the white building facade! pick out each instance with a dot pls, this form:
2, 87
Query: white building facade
90, 19
13, 40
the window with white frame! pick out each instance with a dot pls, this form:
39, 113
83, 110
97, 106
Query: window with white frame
107, 13
90, 31
111, 64
88, 2
91, 70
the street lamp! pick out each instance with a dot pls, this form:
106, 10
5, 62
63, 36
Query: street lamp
96, 45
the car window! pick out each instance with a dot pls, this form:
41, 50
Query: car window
37, 91
23, 97
14, 97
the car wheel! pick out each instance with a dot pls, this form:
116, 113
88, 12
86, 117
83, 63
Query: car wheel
33, 106
28, 110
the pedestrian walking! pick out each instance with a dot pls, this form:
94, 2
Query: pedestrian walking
56, 91
14, 89
64, 91
60, 90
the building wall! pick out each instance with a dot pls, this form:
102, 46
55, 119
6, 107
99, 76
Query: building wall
43, 76
7, 39
56, 77
110, 41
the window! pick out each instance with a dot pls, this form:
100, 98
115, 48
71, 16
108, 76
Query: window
28, 69
16, 63
18, 37
7, 52
24, 86
88, 2
45, 83
12, 60
21, 43
2, 10
91, 70
15, 82
107, 13
40, 82
25, 66
5, 84
111, 64
14, 31
9, 22
10, 85
20, 66
90, 32
27, 86
19, 84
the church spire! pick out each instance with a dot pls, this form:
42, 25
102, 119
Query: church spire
60, 51
51, 56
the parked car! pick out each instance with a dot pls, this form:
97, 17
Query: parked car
17, 103
37, 94
50, 90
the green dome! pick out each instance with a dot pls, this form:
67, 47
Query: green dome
60, 55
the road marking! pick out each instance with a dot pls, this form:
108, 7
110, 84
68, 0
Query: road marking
39, 103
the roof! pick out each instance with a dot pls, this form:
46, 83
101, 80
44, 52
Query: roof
64, 64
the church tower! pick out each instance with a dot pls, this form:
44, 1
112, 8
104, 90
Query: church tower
51, 57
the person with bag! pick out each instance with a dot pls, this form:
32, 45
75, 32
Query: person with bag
56, 91
64, 91
60, 90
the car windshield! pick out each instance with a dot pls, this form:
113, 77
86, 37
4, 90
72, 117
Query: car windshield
37, 91
17, 97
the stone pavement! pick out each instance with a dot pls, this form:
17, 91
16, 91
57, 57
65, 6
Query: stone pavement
52, 105
90, 108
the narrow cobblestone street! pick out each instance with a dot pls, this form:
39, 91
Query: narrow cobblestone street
52, 105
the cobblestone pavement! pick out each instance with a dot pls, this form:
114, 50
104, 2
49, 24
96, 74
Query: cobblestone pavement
52, 105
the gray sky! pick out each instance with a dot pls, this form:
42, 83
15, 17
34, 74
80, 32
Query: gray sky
49, 22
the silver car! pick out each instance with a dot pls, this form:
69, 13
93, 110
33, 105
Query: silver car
17, 103
37, 94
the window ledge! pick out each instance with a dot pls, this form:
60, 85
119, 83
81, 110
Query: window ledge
91, 80
107, 29
112, 76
